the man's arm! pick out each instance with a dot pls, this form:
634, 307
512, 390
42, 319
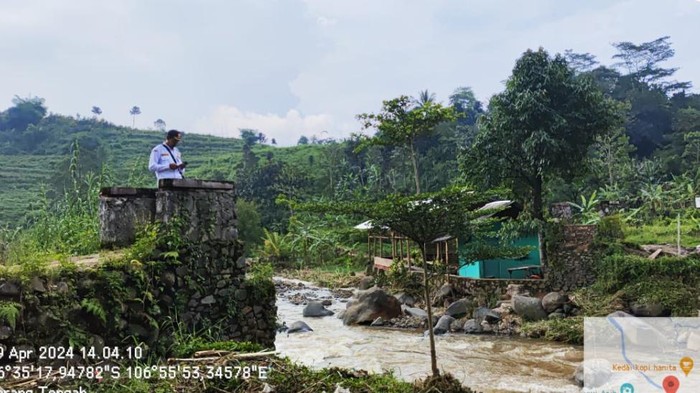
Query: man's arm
182, 164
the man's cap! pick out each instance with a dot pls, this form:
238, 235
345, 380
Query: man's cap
174, 134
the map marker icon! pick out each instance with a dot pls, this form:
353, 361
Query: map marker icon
671, 384
686, 365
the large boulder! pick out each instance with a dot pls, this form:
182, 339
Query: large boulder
649, 310
370, 305
316, 309
471, 327
443, 324
445, 292
460, 308
406, 299
486, 314
530, 308
553, 300
457, 325
415, 312
299, 327
366, 283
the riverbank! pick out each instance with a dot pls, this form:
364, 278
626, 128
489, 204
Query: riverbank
565, 330
487, 363
623, 285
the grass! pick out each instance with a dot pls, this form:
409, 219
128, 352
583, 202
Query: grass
664, 232
567, 330
596, 304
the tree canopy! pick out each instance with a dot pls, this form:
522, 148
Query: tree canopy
642, 63
402, 121
540, 126
25, 112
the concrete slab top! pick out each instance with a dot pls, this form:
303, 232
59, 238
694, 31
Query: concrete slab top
195, 184
128, 192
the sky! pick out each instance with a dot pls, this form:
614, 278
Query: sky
289, 68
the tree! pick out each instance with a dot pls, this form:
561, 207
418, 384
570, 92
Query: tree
261, 137
580, 62
424, 97
262, 184
540, 127
273, 141
687, 124
332, 154
303, 140
249, 226
401, 122
25, 111
466, 106
641, 62
249, 136
96, 110
135, 111
159, 124
423, 218
650, 117
611, 156
468, 109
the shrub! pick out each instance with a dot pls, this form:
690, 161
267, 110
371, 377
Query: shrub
672, 282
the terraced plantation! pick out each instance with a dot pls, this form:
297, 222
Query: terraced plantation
21, 181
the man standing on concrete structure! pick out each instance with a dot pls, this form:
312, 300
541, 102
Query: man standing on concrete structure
165, 159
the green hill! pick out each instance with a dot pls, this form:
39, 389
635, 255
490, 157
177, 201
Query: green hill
36, 160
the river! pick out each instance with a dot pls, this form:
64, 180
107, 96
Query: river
485, 363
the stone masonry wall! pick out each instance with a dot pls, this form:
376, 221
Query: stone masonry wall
118, 302
194, 281
496, 287
122, 212
206, 209
570, 262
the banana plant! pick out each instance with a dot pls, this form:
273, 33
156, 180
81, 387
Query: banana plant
275, 247
652, 199
683, 191
587, 210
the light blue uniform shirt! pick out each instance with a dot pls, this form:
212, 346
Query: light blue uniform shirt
160, 163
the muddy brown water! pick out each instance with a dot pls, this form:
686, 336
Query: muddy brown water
483, 362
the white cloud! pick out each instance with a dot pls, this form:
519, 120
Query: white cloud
326, 22
286, 130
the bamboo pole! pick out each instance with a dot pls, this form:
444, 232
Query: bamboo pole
447, 261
